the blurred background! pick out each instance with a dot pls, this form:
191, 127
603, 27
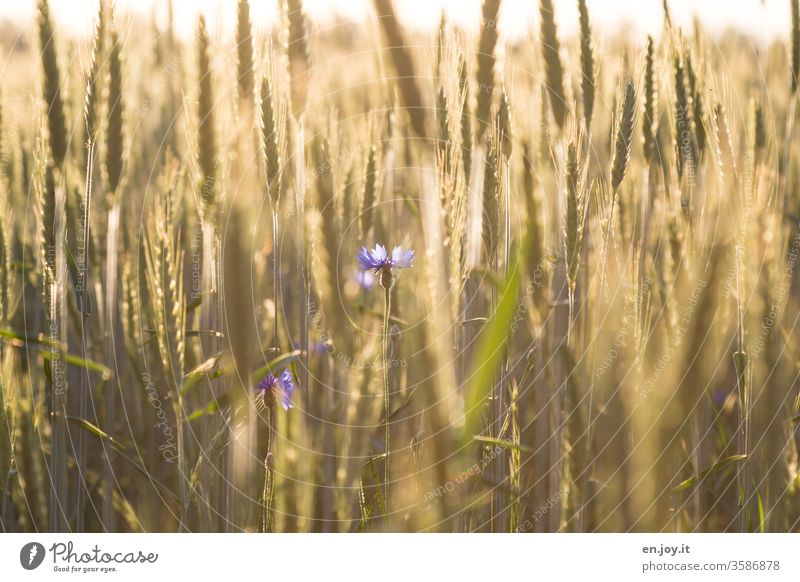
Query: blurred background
764, 19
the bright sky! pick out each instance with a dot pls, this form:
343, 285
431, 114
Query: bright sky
762, 18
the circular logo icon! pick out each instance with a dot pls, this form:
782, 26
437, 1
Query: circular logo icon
31, 555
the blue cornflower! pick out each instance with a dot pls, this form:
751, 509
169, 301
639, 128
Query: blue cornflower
281, 387
378, 259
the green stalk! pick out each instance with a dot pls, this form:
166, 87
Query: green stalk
302, 258
85, 310
177, 409
386, 282
266, 523
59, 388
276, 272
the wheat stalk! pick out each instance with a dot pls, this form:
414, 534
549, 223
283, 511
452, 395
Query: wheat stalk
667, 15
325, 239
272, 152
6, 255
623, 140
299, 58
52, 232
795, 48
403, 64
573, 231
649, 119
206, 139
46, 195
116, 109
619, 165
91, 101
6, 442
487, 41
685, 144
443, 127
7, 421
587, 64
164, 263
83, 296
504, 126
441, 41
490, 232
554, 72
759, 132
244, 51
727, 159
465, 118
368, 198
697, 108
533, 219
273, 173
51, 88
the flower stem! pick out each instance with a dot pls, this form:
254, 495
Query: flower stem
387, 311
266, 523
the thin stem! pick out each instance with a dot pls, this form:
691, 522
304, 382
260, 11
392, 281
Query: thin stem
182, 488
507, 218
571, 299
58, 326
386, 400
268, 494
497, 411
607, 242
501, 475
275, 270
787, 153
85, 381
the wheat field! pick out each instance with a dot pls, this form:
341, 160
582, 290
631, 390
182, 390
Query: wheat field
358, 278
